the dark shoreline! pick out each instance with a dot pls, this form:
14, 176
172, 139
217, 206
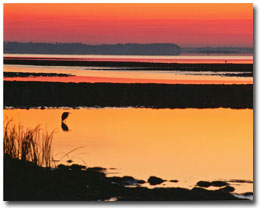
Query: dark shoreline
24, 181
51, 94
150, 66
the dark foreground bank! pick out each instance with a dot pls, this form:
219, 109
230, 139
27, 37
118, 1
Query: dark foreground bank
142, 65
50, 94
24, 181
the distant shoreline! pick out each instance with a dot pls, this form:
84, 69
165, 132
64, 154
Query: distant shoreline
149, 66
117, 49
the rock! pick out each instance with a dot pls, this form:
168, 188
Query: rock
227, 189
63, 167
204, 184
129, 180
174, 181
153, 180
97, 169
207, 184
77, 167
126, 180
240, 181
219, 183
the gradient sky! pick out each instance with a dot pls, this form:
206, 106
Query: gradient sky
183, 24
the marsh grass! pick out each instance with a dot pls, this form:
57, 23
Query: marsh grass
33, 145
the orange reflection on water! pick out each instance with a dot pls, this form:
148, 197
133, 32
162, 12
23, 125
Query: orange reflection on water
183, 58
88, 74
123, 80
183, 144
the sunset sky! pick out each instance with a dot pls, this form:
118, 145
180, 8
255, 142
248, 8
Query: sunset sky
192, 25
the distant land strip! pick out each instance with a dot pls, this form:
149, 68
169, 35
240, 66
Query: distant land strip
117, 49
149, 65
51, 94
102, 49
35, 74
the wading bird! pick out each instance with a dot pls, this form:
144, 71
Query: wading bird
64, 116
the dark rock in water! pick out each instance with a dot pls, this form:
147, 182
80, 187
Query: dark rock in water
63, 167
126, 180
174, 181
219, 183
24, 181
77, 167
207, 184
204, 184
227, 189
240, 181
153, 180
97, 169
74, 167
141, 181
96, 172
129, 180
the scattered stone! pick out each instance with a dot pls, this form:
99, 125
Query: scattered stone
205, 184
76, 167
34, 183
63, 167
126, 180
227, 189
219, 183
153, 180
174, 181
97, 169
240, 181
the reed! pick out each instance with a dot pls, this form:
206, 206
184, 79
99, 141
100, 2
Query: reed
33, 145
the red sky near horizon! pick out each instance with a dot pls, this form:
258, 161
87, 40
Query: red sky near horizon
187, 25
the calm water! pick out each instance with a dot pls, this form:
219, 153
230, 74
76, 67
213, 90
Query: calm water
183, 58
121, 75
184, 144
175, 144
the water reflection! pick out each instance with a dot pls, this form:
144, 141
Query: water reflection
64, 127
187, 145
119, 75
183, 58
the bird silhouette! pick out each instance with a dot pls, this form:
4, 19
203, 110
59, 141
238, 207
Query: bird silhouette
64, 116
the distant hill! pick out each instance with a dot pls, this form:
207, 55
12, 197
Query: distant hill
116, 49
79, 48
224, 50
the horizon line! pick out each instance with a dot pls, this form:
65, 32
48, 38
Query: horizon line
56, 42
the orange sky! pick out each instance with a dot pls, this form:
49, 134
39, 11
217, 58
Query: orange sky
183, 24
